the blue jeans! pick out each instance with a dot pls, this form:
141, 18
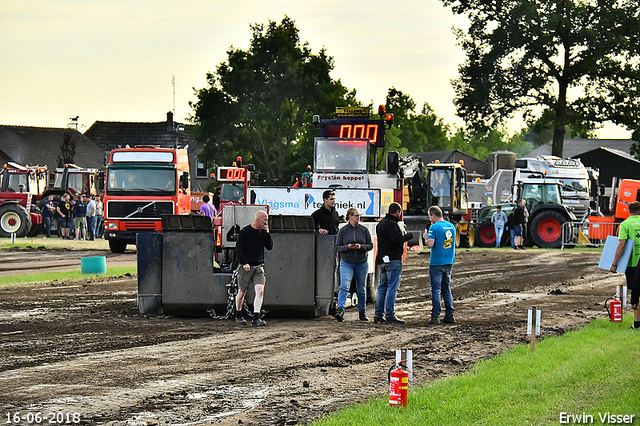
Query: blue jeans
513, 236
389, 283
46, 222
440, 276
499, 230
91, 226
347, 271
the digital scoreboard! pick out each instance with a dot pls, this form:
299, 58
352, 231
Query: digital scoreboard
373, 130
231, 174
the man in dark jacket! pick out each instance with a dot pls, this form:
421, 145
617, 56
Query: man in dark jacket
252, 240
518, 224
326, 217
391, 241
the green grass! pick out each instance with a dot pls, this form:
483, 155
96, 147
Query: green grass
593, 370
69, 276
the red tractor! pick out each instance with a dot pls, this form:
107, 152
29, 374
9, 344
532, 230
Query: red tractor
20, 189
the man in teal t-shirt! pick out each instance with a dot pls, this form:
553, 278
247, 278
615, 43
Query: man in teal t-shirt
630, 230
441, 239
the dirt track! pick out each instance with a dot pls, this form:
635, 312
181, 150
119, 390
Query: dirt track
85, 348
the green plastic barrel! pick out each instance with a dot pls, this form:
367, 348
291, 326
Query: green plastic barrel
93, 265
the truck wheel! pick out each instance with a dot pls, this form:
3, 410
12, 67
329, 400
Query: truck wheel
468, 240
458, 239
486, 235
14, 219
117, 246
546, 229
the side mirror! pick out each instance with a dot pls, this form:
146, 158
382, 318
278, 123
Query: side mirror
393, 162
101, 182
184, 180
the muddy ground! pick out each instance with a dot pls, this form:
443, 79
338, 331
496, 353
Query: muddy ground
84, 348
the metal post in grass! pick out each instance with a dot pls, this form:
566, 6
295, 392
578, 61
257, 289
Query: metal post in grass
622, 291
406, 354
533, 325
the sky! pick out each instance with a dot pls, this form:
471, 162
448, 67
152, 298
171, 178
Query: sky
115, 60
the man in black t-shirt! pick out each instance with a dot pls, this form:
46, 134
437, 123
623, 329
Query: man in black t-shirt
326, 217
252, 240
65, 222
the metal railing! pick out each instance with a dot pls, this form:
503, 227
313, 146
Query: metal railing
586, 233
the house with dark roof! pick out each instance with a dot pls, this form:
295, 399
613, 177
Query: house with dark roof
43, 146
612, 163
576, 146
165, 134
611, 156
474, 166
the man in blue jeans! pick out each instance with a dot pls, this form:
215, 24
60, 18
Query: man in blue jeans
391, 241
441, 238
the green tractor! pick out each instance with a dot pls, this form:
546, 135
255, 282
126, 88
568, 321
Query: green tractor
547, 215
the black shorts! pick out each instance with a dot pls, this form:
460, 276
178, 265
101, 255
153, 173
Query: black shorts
635, 290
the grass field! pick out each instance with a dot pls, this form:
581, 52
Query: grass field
70, 276
592, 373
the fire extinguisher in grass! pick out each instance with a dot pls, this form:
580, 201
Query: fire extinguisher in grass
398, 384
614, 309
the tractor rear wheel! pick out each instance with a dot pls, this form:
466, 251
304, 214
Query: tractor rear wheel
486, 235
14, 219
546, 229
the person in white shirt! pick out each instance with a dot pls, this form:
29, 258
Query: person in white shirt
99, 228
499, 219
91, 217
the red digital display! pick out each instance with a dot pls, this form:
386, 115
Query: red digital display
231, 174
373, 130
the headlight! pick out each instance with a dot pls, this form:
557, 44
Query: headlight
112, 225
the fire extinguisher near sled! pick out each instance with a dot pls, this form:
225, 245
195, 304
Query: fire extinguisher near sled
614, 308
398, 384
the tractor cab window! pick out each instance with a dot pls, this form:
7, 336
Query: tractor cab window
77, 182
18, 182
552, 195
440, 185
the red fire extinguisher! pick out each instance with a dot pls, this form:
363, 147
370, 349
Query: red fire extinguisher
614, 309
398, 384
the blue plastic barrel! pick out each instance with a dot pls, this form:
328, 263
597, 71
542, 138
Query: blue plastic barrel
93, 265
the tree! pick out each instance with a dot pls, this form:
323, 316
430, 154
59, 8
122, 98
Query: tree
523, 54
540, 131
67, 151
413, 132
260, 101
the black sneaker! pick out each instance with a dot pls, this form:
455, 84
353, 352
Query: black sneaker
241, 321
362, 316
339, 315
434, 321
258, 323
378, 320
394, 320
449, 319
634, 327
